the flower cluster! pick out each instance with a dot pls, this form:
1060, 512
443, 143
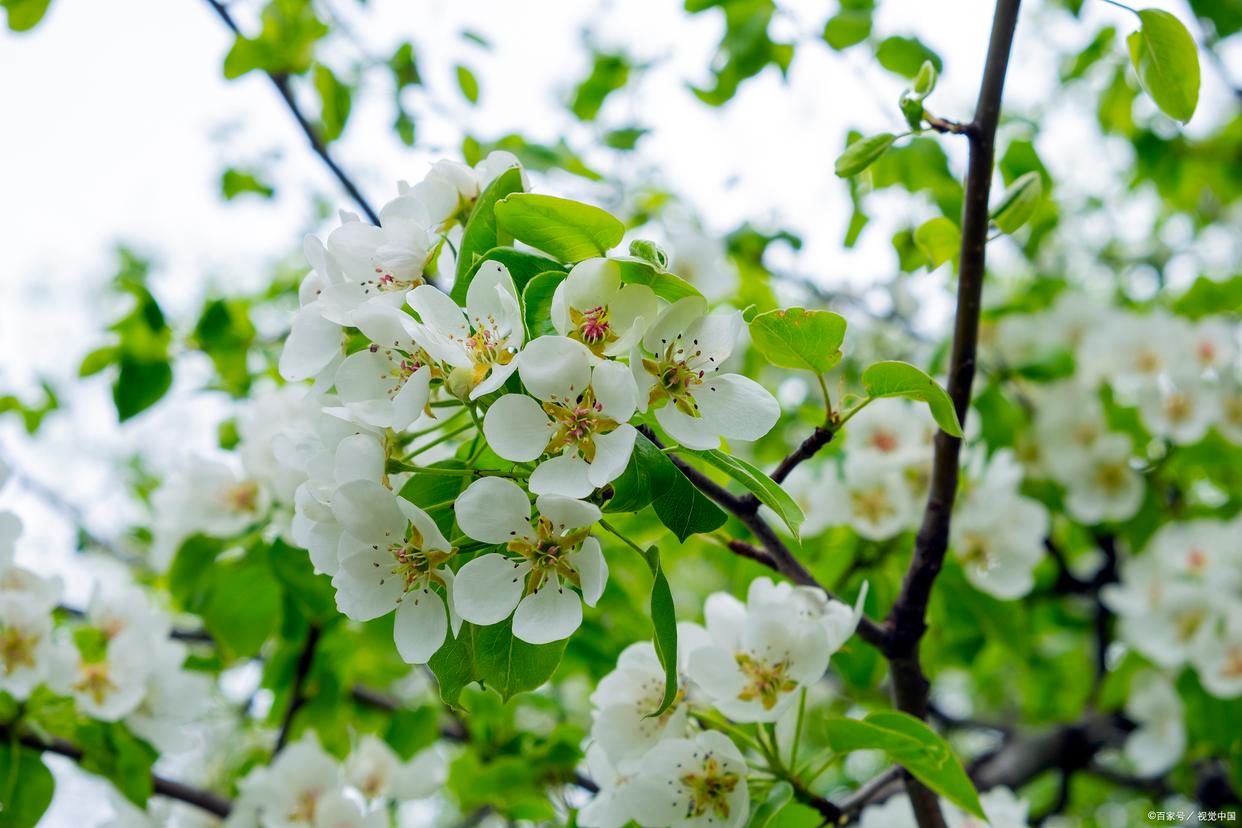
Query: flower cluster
1180, 602
305, 787
749, 663
551, 418
879, 486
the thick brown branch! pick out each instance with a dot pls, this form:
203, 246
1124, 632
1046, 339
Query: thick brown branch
281, 82
907, 617
210, 802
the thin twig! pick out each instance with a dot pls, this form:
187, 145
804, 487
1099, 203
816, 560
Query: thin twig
297, 695
281, 82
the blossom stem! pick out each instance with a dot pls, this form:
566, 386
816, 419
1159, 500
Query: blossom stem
823, 387
432, 429
613, 530
797, 739
448, 435
729, 729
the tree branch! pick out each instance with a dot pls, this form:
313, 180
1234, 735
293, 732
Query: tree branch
907, 617
297, 695
808, 448
208, 801
281, 82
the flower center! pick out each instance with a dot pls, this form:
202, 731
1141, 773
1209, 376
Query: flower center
577, 424
243, 497
872, 505
709, 789
549, 553
414, 565
386, 281
1233, 664
95, 681
767, 681
592, 328
1111, 477
975, 550
487, 348
17, 649
1178, 407
883, 440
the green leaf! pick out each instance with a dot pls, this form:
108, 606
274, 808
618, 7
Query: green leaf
110, 750
26, 786
139, 385
668, 286
780, 795
651, 478
334, 103
234, 182
905, 56
522, 266
311, 594
847, 28
468, 83
664, 621
243, 606
493, 657
97, 360
758, 483
1167, 61
481, 233
188, 579
804, 340
1207, 296
537, 303
1019, 202
939, 239
862, 154
625, 138
609, 72
567, 230
404, 66
24, 15
900, 379
913, 745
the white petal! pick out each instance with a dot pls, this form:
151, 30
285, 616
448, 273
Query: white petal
499, 376
484, 304
433, 538
516, 428
437, 311
312, 344
591, 283
358, 457
673, 321
494, 510
567, 513
369, 512
486, 589
691, 432
711, 339
420, 627
549, 614
631, 310
592, 570
612, 454
408, 405
737, 407
555, 368
566, 474
385, 325
615, 390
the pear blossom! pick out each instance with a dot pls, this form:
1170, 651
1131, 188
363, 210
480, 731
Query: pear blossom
1160, 738
1069, 423
593, 307
43, 591
838, 620
681, 380
622, 726
1179, 408
1229, 419
173, 699
110, 685
378, 772
1217, 655
578, 415
479, 345
299, 789
611, 806
341, 458
894, 433
388, 384
1106, 487
205, 496
691, 783
528, 579
28, 655
874, 500
392, 557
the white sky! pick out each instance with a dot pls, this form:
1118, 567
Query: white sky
117, 123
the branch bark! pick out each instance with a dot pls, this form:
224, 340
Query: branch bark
206, 800
907, 619
297, 695
281, 82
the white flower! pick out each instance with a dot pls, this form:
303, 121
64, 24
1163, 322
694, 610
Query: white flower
302, 781
1131, 351
112, 685
610, 807
1106, 488
378, 772
270, 428
998, 534
1214, 344
893, 433
1229, 422
480, 345
126, 610
392, 556
388, 384
692, 783
1160, 738
174, 698
875, 501
1217, 655
43, 591
339, 460
805, 484
594, 308
27, 653
1069, 422
758, 657
376, 262
580, 418
207, 496
624, 700
1201, 551
838, 620
1179, 409
693, 402
529, 579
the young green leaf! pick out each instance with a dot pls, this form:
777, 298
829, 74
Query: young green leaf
521, 264
1167, 61
900, 379
804, 340
939, 239
482, 232
494, 657
847, 28
668, 286
862, 154
26, 787
757, 482
24, 15
567, 230
651, 478
1018, 203
537, 303
334, 100
780, 795
664, 620
468, 83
